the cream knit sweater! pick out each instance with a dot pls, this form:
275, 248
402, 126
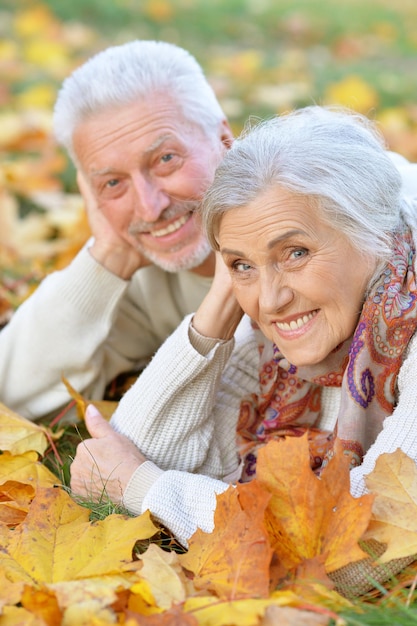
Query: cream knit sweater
87, 324
182, 414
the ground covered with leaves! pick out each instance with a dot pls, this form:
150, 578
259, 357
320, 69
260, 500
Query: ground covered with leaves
287, 548
279, 550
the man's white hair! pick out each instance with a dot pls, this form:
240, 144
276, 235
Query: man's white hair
131, 72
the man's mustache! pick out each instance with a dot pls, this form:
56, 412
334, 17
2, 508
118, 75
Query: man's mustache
175, 210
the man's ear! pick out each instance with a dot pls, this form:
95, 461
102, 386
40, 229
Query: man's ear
226, 135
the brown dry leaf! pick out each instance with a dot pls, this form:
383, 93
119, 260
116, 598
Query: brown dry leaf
225, 560
394, 512
288, 616
80, 601
26, 468
308, 516
18, 435
172, 617
247, 612
38, 550
105, 407
15, 498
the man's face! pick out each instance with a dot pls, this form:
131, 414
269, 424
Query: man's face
148, 169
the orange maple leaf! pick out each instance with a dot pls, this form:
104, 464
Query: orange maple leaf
233, 561
309, 516
15, 498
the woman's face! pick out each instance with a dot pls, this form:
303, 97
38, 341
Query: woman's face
293, 274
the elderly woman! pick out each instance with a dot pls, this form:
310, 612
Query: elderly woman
316, 245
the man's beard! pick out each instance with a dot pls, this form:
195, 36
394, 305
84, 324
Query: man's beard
188, 260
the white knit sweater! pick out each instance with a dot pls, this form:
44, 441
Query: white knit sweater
87, 324
182, 414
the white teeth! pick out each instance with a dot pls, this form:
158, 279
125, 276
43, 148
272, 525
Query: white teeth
294, 324
171, 228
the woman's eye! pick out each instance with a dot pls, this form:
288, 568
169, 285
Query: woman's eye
299, 253
239, 266
294, 258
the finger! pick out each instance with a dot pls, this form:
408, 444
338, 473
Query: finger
97, 426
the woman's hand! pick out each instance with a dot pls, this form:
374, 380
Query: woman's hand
219, 314
104, 464
109, 249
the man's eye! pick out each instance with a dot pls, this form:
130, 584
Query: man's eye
167, 157
112, 183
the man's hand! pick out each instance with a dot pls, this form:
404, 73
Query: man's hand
104, 464
109, 248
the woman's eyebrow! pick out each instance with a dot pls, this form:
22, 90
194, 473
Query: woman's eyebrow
271, 244
287, 235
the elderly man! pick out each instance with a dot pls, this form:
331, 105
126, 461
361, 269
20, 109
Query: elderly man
145, 132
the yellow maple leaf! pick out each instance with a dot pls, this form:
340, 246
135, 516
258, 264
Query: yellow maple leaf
159, 10
394, 512
56, 542
165, 577
352, 92
106, 407
18, 435
307, 516
225, 560
26, 468
18, 616
11, 592
37, 96
48, 54
38, 18
42, 603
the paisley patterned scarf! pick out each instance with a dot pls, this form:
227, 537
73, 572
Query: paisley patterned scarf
365, 366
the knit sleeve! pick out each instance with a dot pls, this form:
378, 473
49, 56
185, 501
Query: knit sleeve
184, 502
60, 330
182, 411
399, 429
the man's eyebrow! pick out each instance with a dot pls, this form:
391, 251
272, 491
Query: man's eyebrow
154, 146
158, 142
104, 172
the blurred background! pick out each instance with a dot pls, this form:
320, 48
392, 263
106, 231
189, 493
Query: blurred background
261, 56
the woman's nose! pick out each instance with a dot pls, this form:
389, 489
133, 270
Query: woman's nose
274, 292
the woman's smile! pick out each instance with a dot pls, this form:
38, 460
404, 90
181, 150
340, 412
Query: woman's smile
296, 325
295, 275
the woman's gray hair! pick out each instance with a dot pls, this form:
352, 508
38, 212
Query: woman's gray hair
132, 72
333, 156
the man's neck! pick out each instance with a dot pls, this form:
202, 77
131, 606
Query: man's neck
207, 267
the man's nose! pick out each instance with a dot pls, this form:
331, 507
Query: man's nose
274, 291
150, 199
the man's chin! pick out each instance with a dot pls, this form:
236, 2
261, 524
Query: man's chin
181, 261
